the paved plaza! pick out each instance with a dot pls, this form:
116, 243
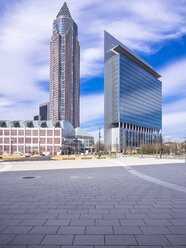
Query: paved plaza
129, 202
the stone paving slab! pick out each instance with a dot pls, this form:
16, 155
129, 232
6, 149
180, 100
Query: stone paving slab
5, 238
44, 230
99, 230
89, 240
27, 239
71, 230
152, 239
120, 240
177, 239
58, 240
127, 230
17, 230
93, 207
155, 230
13, 246
44, 246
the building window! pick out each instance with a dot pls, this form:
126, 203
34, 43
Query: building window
21, 132
6, 132
49, 133
35, 133
42, 133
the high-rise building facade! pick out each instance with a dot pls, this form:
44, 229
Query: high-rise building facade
133, 98
65, 69
36, 118
44, 111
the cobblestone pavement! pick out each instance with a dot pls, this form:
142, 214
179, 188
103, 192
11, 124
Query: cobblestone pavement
98, 204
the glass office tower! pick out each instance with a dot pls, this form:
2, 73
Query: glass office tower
65, 69
133, 98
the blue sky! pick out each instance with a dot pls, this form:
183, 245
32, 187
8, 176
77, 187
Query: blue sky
155, 30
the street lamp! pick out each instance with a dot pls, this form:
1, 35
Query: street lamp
141, 144
39, 141
160, 144
153, 145
99, 142
184, 149
11, 146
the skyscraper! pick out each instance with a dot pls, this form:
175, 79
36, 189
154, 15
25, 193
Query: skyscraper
65, 69
44, 111
133, 98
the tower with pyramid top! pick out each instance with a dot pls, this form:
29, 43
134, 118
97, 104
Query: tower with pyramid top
65, 69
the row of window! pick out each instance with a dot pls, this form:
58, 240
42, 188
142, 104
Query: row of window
7, 132
30, 140
29, 149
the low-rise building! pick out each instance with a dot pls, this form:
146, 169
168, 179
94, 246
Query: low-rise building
35, 137
86, 140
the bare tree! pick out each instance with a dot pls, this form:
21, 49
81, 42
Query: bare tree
102, 146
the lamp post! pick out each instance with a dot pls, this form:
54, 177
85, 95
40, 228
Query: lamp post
141, 144
39, 140
153, 145
61, 148
160, 144
10, 138
184, 149
99, 142
11, 146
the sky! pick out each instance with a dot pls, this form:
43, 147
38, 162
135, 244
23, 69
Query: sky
153, 29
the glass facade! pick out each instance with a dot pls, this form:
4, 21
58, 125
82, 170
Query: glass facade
65, 69
86, 140
133, 98
140, 96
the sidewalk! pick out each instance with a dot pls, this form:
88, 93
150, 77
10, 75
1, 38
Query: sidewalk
92, 204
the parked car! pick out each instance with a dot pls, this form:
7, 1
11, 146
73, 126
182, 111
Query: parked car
18, 153
46, 153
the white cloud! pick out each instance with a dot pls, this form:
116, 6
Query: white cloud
158, 11
174, 119
16, 111
174, 124
95, 134
91, 61
174, 78
141, 26
92, 107
175, 106
23, 57
92, 113
5, 102
174, 89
